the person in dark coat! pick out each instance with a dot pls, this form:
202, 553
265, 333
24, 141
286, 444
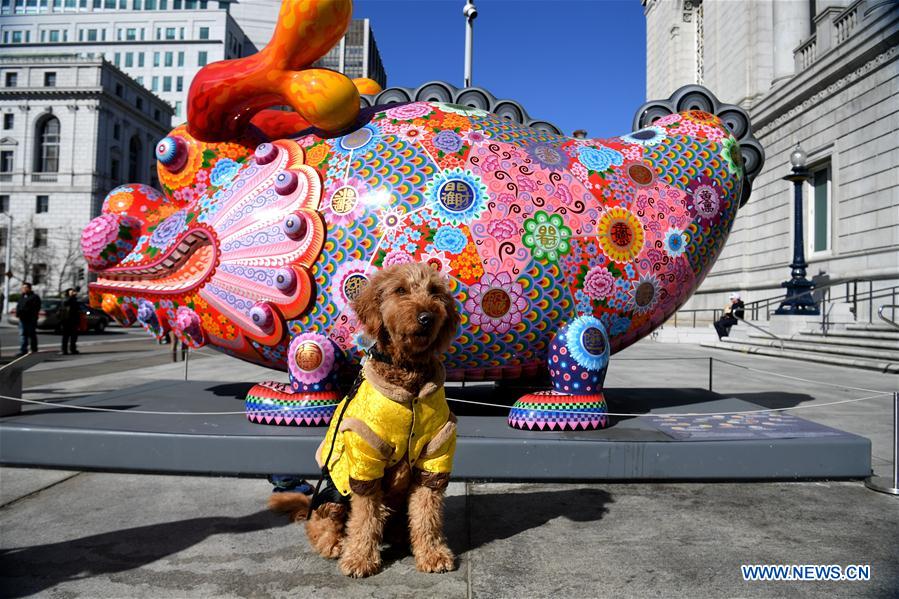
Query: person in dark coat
27, 310
70, 321
733, 313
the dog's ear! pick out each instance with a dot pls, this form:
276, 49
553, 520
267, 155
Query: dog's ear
367, 306
450, 327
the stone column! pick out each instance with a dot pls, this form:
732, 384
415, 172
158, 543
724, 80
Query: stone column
791, 27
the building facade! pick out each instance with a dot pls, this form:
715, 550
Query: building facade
74, 127
160, 43
820, 73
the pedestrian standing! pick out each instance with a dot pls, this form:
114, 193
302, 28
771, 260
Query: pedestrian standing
27, 310
70, 321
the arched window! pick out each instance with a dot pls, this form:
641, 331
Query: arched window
47, 156
134, 160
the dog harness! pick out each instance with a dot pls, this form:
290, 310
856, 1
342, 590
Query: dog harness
378, 431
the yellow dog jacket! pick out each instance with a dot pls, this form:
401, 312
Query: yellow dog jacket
384, 424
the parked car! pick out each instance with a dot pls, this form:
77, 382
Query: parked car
48, 317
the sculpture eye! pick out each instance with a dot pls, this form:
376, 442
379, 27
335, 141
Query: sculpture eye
285, 280
286, 182
294, 226
265, 153
262, 316
171, 152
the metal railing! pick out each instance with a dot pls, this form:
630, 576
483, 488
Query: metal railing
892, 322
766, 332
825, 295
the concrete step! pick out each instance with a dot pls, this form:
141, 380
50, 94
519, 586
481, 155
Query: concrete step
806, 356
872, 327
857, 334
816, 337
812, 346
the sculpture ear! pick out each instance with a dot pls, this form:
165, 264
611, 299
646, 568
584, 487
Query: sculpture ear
367, 306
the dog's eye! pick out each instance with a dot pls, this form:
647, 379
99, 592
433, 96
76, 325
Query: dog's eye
400, 291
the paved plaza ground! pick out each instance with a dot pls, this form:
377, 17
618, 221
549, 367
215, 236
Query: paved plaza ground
69, 534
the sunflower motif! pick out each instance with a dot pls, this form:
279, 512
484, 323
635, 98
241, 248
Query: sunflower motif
359, 141
546, 236
457, 196
644, 294
730, 153
349, 280
648, 136
620, 234
588, 342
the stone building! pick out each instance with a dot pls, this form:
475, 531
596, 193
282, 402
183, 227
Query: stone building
160, 43
74, 127
820, 73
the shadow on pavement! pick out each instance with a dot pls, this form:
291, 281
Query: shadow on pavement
29, 570
496, 516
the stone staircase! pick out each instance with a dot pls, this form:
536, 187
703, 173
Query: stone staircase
868, 346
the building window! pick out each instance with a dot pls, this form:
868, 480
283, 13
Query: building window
819, 209
156, 115
166, 84
119, 90
179, 84
4, 208
139, 104
114, 169
131, 34
117, 59
54, 35
40, 238
169, 59
135, 152
6, 161
202, 59
49, 79
39, 274
9, 120
140, 80
155, 59
177, 108
180, 59
154, 84
129, 59
42, 205
11, 79
204, 33
48, 146
140, 59
116, 131
169, 33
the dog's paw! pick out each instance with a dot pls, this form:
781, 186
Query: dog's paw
328, 546
436, 559
358, 566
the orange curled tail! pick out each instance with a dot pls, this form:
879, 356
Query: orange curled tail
294, 504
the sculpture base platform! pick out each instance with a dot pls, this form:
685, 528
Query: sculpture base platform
770, 446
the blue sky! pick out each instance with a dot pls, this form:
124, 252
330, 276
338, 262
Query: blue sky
579, 64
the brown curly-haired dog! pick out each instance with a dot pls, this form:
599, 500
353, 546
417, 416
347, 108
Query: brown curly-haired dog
410, 313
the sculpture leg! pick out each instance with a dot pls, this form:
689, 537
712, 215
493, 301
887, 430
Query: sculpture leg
578, 359
312, 394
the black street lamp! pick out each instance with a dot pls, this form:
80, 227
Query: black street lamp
799, 300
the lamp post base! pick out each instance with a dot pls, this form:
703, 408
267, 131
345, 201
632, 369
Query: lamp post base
799, 300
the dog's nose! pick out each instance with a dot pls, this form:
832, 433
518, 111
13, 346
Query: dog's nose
425, 319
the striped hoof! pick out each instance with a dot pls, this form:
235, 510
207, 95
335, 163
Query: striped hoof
276, 403
554, 411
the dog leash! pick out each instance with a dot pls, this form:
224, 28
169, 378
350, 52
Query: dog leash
354, 390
